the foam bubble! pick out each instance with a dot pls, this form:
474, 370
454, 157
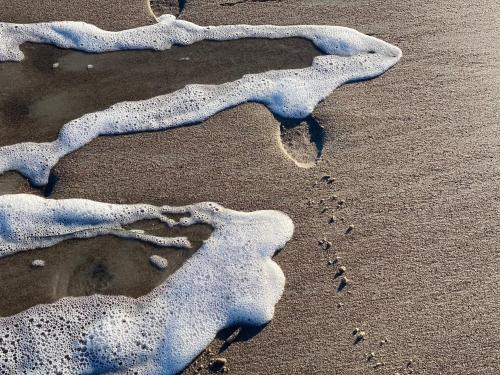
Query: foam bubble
230, 280
158, 261
293, 93
38, 263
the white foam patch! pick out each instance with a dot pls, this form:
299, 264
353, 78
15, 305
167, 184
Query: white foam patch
294, 93
158, 261
230, 280
31, 222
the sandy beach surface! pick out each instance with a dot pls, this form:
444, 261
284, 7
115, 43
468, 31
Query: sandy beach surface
415, 156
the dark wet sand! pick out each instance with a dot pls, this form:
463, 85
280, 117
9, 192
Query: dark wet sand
416, 155
37, 100
12, 183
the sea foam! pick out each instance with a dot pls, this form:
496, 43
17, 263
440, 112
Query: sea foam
350, 56
30, 222
230, 280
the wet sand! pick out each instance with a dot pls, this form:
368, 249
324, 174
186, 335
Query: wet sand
12, 183
415, 154
104, 265
37, 99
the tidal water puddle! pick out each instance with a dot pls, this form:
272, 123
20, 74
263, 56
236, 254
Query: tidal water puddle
101, 265
37, 99
12, 182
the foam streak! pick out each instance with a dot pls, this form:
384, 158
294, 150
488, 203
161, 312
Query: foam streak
293, 93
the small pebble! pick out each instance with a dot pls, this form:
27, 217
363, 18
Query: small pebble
371, 355
334, 197
324, 210
378, 364
356, 330
219, 362
158, 261
38, 263
90, 66
333, 219
350, 228
361, 335
326, 245
55, 65
344, 281
326, 177
233, 336
340, 304
341, 202
331, 180
342, 269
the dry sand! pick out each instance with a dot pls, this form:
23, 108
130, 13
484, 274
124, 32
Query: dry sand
415, 154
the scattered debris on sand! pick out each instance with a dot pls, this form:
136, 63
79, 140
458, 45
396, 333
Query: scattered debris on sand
324, 244
349, 229
343, 283
218, 364
233, 336
332, 262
